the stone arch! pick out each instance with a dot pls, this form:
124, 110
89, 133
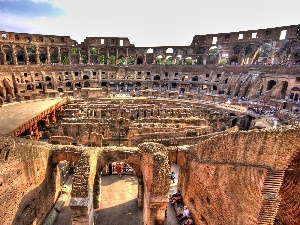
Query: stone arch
86, 77
53, 55
155, 86
201, 50
7, 57
20, 55
195, 78
233, 59
271, 84
43, 55
151, 165
139, 60
156, 77
48, 78
65, 153
237, 49
200, 60
131, 56
178, 60
249, 50
65, 56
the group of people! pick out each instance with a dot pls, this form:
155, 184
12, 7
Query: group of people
184, 216
119, 168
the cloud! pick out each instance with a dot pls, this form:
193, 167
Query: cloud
153, 23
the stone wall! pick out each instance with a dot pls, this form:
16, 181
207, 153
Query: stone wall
28, 187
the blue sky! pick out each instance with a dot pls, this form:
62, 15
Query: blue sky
145, 23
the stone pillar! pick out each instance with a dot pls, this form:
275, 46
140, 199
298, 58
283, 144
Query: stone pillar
107, 57
70, 56
145, 58
48, 56
26, 58
59, 55
155, 168
97, 190
117, 57
79, 57
82, 211
81, 203
37, 55
3, 55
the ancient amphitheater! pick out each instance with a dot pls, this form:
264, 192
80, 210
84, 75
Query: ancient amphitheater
225, 109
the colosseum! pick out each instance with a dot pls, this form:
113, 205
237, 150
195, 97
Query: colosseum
224, 109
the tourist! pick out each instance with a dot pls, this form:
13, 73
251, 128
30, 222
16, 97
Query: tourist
172, 176
176, 197
184, 215
189, 221
119, 169
124, 167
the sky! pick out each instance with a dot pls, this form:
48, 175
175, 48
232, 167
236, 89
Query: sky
146, 23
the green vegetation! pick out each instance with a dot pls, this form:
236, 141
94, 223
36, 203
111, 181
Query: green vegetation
188, 61
93, 51
64, 59
73, 51
168, 61
130, 60
31, 49
84, 59
74, 42
112, 60
102, 59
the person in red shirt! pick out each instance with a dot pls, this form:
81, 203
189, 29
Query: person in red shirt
119, 169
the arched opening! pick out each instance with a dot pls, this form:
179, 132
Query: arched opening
158, 59
195, 78
189, 60
169, 60
156, 77
284, 88
121, 194
49, 85
234, 122
178, 60
131, 60
139, 60
193, 88
86, 77
200, 60
237, 49
234, 60
86, 84
155, 86
48, 78
174, 87
226, 81
271, 84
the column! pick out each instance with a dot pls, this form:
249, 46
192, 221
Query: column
117, 57
59, 55
48, 55
107, 57
26, 59
79, 56
37, 55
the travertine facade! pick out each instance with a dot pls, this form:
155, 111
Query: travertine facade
193, 105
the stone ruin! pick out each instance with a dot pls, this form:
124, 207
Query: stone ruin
224, 109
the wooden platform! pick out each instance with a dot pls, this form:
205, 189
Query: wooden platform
16, 117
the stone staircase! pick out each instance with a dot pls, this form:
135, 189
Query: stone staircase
271, 198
